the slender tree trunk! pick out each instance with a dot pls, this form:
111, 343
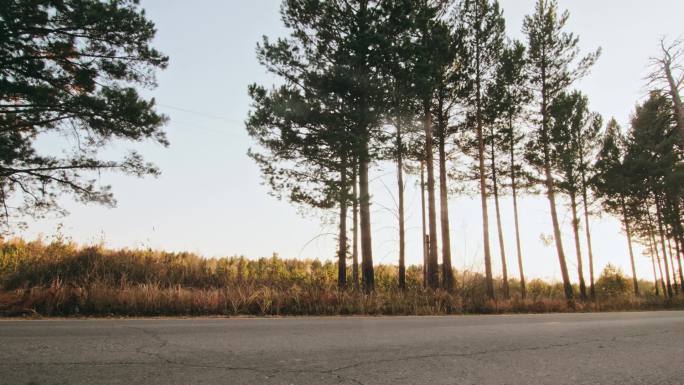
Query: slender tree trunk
654, 251
424, 234
355, 229
551, 195
368, 275
483, 191
502, 248
366, 246
674, 272
342, 250
587, 229
550, 187
631, 251
662, 244
578, 247
678, 249
433, 267
673, 258
447, 272
400, 182
662, 279
678, 233
655, 275
523, 290
481, 166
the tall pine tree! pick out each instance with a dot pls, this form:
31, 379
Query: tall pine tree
553, 67
482, 26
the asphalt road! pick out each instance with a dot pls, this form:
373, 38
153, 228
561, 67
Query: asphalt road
619, 348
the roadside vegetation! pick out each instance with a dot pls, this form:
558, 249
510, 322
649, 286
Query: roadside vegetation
437, 90
63, 279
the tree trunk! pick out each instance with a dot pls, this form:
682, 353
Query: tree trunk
678, 250
662, 244
424, 234
679, 238
447, 272
578, 247
400, 182
483, 203
481, 169
432, 266
655, 275
631, 251
551, 195
676, 99
342, 249
366, 246
355, 230
502, 248
359, 65
675, 284
662, 279
523, 290
587, 229
678, 234
550, 190
654, 251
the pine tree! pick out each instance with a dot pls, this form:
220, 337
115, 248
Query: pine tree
505, 101
442, 110
572, 128
428, 53
651, 161
72, 68
482, 26
552, 54
329, 111
449, 85
356, 27
403, 107
301, 155
612, 186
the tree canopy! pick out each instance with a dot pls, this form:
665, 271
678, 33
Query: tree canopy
68, 72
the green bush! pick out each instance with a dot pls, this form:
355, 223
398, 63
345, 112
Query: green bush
612, 283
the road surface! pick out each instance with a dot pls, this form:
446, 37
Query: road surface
618, 348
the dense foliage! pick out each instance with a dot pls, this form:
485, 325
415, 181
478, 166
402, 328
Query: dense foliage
438, 89
68, 74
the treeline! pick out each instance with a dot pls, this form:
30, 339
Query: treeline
420, 83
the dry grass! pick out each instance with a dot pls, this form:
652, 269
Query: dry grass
61, 279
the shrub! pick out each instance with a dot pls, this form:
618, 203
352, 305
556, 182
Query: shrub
612, 283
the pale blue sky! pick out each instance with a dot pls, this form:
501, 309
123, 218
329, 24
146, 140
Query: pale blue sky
210, 200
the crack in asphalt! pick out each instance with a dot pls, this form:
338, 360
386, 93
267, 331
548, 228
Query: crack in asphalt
160, 343
484, 352
334, 371
267, 372
155, 336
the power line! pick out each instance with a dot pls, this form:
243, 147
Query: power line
193, 125
211, 116
190, 126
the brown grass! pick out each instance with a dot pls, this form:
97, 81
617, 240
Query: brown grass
62, 279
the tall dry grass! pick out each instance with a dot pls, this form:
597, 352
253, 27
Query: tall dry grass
61, 278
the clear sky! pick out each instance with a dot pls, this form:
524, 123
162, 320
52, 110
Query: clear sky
210, 199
